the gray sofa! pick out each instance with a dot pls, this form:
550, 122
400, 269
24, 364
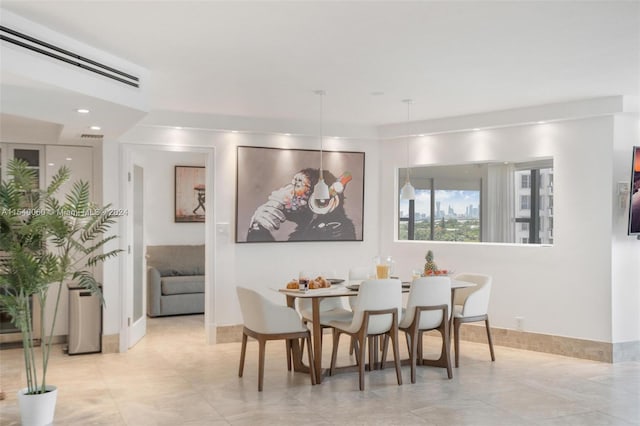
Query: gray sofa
175, 280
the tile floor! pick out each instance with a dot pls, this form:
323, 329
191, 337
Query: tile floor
173, 378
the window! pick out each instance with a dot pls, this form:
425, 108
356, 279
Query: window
536, 203
33, 155
415, 217
498, 201
444, 210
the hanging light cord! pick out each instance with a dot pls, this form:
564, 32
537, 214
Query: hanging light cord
409, 102
321, 135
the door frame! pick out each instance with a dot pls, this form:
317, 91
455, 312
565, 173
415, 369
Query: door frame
137, 329
127, 151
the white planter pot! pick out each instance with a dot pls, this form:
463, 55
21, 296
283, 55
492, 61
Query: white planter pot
37, 410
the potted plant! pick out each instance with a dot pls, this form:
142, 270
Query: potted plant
43, 242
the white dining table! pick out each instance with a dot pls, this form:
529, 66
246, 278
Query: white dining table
317, 295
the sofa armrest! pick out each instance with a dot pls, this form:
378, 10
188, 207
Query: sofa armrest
154, 291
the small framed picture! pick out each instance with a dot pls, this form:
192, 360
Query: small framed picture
189, 194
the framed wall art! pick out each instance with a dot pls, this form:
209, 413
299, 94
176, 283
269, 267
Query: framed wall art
189, 193
276, 202
634, 202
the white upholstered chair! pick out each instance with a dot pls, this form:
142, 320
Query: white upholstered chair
428, 308
359, 273
331, 308
264, 320
376, 313
470, 305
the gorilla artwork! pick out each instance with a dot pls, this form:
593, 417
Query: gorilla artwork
314, 220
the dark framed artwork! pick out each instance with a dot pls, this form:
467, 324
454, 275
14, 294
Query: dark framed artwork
275, 200
189, 193
634, 203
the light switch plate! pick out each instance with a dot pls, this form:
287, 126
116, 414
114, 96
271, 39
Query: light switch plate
222, 229
623, 188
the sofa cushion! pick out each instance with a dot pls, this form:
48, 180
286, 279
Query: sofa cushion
176, 260
182, 284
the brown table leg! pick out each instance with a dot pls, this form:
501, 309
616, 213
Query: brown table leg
296, 352
317, 338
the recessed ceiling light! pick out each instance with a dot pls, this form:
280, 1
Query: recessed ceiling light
234, 131
287, 134
179, 127
541, 122
95, 127
50, 164
421, 136
476, 129
82, 111
68, 158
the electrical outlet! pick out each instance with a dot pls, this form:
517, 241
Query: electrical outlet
520, 323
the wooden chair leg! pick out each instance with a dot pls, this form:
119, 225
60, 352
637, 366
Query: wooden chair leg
407, 336
371, 347
361, 343
261, 345
352, 346
385, 348
302, 340
356, 349
420, 343
289, 348
446, 343
312, 368
334, 352
396, 353
493, 356
413, 352
456, 340
243, 351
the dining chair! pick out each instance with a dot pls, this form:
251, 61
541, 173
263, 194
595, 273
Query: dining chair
359, 273
331, 308
375, 313
264, 321
471, 305
428, 308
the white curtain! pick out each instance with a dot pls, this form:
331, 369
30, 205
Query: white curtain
501, 203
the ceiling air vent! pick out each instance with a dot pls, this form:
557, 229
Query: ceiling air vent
60, 54
90, 136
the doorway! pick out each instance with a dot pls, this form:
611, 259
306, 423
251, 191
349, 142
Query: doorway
150, 199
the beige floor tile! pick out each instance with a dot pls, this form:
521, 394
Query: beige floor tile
172, 377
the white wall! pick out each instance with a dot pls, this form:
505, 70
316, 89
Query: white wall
568, 289
159, 225
267, 266
112, 274
625, 253
564, 289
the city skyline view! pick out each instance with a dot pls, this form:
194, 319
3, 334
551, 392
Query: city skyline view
456, 200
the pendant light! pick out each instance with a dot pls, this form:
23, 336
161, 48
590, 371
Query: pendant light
408, 192
321, 190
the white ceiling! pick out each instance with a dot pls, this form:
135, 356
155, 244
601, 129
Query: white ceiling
264, 59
